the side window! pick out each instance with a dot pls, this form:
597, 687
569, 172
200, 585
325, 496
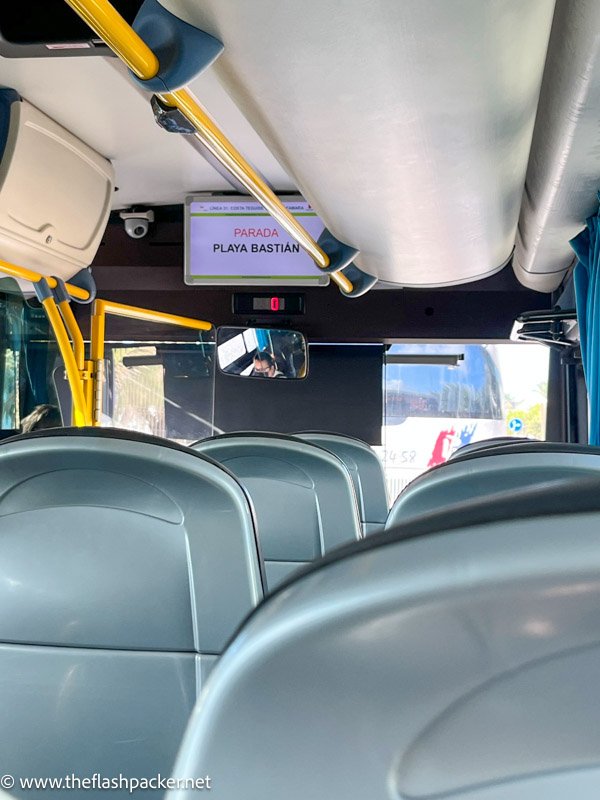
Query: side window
440, 397
29, 358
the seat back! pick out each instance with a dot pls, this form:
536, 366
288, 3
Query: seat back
488, 444
303, 496
456, 656
367, 475
125, 566
508, 467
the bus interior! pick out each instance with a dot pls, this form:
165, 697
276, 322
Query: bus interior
300, 410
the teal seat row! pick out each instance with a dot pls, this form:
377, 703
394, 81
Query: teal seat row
127, 563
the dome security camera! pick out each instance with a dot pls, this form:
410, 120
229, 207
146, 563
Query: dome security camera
136, 228
137, 223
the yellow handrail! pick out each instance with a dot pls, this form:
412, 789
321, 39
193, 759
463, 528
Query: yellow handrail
35, 277
63, 327
74, 332
102, 17
149, 315
218, 144
84, 377
97, 331
100, 310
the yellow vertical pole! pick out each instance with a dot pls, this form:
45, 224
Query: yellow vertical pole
81, 415
88, 388
98, 330
74, 332
84, 367
97, 333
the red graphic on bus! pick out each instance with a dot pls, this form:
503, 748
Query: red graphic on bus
441, 450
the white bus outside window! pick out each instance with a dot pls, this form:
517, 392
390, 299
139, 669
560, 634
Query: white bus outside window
440, 397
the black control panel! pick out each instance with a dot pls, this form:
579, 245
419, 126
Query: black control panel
263, 303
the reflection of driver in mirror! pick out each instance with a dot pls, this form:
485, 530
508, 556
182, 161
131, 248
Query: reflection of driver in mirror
265, 366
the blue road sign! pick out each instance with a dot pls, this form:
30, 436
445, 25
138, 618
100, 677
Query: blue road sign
515, 425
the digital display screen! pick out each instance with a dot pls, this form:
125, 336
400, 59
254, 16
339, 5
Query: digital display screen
263, 304
268, 304
233, 240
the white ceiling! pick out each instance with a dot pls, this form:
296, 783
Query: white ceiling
406, 124
95, 99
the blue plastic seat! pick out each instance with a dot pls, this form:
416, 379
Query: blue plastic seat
367, 475
489, 444
303, 496
126, 564
456, 656
483, 472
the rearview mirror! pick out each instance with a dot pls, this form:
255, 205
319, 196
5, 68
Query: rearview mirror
262, 353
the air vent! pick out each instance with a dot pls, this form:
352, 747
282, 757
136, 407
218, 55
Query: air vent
36, 28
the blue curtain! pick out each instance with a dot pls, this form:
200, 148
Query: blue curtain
587, 299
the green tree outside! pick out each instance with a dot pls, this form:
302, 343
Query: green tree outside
533, 418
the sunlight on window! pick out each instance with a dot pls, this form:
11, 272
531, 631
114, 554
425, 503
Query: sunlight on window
138, 391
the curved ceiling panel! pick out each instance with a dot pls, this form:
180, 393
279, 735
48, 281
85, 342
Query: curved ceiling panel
563, 176
406, 124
